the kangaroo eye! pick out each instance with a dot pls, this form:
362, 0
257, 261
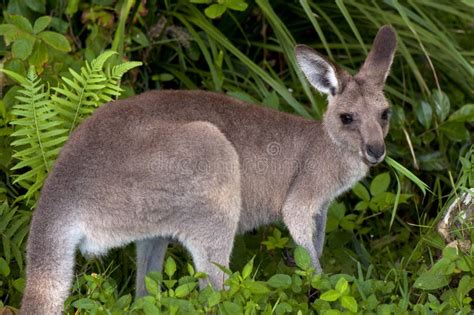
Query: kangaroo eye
346, 118
385, 114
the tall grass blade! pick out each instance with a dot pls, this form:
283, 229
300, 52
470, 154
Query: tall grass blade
317, 27
203, 23
404, 171
351, 23
119, 38
288, 43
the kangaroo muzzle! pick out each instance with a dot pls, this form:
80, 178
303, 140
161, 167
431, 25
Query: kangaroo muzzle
375, 153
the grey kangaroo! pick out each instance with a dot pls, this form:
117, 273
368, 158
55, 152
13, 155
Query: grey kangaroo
200, 167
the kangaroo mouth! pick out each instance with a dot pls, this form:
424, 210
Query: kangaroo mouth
370, 161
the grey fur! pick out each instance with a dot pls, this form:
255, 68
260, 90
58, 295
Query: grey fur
200, 167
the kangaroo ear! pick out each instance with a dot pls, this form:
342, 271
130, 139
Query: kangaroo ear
377, 65
318, 70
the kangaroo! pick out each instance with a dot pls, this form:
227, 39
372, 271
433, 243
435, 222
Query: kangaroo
199, 167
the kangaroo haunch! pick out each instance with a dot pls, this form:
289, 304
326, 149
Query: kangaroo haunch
200, 167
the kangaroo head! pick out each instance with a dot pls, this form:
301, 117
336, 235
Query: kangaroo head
358, 114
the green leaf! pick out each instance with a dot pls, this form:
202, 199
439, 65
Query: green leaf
348, 302
283, 308
302, 258
348, 222
258, 287
85, 304
342, 285
10, 33
238, 5
37, 5
214, 299
139, 37
59, 25
450, 253
466, 284
191, 270
123, 302
424, 114
19, 284
330, 296
55, 40
151, 286
4, 268
331, 224
199, 1
337, 210
247, 269
431, 281
39, 56
170, 283
361, 205
372, 302
21, 22
170, 267
455, 131
41, 23
72, 7
280, 281
464, 114
184, 289
6, 242
215, 10
442, 105
150, 309
15, 76
6, 28
462, 264
385, 309
22, 48
360, 191
231, 308
382, 201
380, 184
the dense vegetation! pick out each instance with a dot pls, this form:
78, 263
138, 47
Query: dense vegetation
62, 59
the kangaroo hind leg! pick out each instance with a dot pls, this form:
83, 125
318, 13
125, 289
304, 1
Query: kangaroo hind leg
210, 202
150, 257
208, 249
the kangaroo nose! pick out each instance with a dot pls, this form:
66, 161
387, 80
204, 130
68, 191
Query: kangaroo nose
375, 151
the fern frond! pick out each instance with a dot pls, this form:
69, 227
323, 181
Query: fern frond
77, 97
37, 134
119, 70
99, 62
114, 75
43, 121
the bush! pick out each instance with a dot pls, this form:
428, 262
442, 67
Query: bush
382, 254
